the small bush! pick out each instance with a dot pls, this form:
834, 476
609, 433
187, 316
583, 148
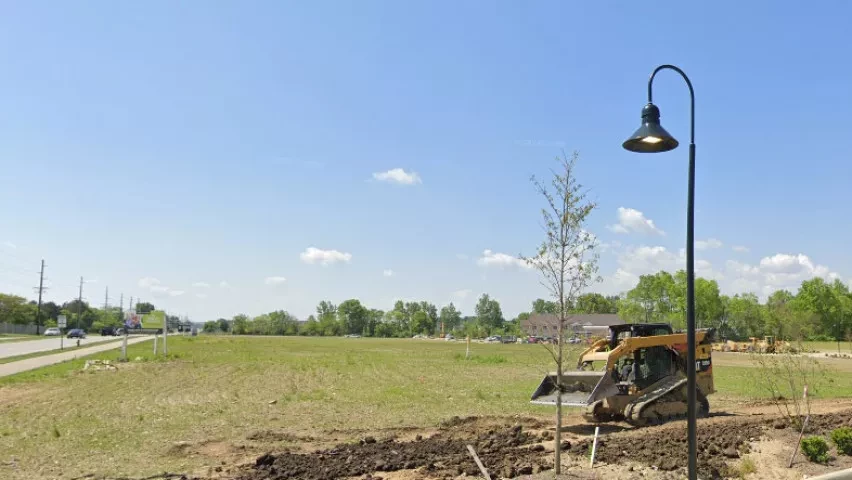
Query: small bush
842, 437
815, 449
745, 467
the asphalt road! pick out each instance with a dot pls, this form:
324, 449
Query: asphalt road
43, 361
13, 349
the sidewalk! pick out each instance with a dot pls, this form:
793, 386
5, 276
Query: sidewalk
43, 361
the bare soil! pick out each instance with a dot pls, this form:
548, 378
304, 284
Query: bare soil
514, 447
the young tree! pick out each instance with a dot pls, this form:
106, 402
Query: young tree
489, 313
566, 259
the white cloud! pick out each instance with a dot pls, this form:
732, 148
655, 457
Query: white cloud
464, 293
631, 220
201, 295
399, 176
494, 259
176, 293
201, 285
644, 259
275, 280
708, 244
387, 273
148, 282
779, 271
324, 257
740, 249
9, 244
224, 284
154, 286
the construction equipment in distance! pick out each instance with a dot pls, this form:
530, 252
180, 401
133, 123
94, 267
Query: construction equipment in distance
641, 378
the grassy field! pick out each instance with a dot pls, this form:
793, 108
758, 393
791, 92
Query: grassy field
214, 393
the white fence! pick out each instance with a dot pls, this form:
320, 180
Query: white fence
19, 329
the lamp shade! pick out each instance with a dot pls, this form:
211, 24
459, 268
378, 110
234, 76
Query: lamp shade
650, 137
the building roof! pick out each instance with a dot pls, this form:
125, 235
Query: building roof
579, 319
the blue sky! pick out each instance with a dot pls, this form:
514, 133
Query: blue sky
193, 153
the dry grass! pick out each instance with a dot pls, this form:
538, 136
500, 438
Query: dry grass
208, 402
218, 391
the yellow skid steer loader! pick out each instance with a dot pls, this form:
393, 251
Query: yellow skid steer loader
638, 374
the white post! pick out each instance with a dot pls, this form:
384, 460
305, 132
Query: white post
594, 448
165, 333
467, 355
155, 344
124, 347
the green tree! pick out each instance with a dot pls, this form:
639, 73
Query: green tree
224, 325
450, 317
144, 307
240, 324
210, 327
594, 303
746, 317
420, 322
15, 309
326, 308
311, 327
489, 314
708, 303
542, 306
353, 316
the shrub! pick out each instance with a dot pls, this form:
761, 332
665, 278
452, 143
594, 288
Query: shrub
815, 449
842, 437
745, 467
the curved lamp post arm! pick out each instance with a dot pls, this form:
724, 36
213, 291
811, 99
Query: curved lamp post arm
691, 95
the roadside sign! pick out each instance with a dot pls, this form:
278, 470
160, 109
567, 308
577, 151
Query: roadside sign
60, 321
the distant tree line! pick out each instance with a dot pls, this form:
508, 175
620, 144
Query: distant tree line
819, 311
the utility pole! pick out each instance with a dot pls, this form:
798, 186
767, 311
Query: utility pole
121, 309
80, 302
130, 307
106, 299
40, 290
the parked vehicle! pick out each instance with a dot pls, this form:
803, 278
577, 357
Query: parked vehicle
76, 333
52, 332
110, 332
509, 339
494, 339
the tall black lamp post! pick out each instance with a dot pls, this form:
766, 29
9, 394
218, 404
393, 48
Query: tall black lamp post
651, 137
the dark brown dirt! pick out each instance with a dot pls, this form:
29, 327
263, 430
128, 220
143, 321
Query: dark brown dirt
515, 447
719, 442
508, 450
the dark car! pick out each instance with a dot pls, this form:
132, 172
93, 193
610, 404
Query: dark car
76, 333
109, 332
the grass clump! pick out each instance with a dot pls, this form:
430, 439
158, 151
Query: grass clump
482, 359
815, 449
745, 467
842, 438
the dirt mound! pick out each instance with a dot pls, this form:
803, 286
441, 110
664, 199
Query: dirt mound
511, 451
719, 442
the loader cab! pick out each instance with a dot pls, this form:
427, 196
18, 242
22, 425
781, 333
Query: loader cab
617, 333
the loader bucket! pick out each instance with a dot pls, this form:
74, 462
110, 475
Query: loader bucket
579, 388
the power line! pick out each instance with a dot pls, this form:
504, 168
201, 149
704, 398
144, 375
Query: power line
80, 302
41, 289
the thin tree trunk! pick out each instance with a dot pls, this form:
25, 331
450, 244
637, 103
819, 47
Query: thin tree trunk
558, 446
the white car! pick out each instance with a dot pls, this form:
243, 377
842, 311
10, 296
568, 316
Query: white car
52, 332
